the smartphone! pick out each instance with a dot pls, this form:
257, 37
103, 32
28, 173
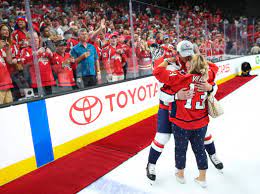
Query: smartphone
4, 38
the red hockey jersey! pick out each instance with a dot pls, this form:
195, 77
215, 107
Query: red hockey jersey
5, 79
63, 71
47, 78
19, 37
114, 59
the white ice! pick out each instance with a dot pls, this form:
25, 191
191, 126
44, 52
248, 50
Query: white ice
237, 140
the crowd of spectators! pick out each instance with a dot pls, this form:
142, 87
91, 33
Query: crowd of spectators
81, 43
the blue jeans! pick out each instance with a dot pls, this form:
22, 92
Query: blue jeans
196, 138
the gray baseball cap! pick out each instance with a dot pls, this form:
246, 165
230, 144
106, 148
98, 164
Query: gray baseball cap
185, 48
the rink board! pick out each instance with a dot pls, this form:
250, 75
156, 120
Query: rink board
37, 133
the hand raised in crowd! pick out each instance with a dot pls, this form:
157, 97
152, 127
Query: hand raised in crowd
120, 51
49, 52
72, 60
203, 87
109, 77
41, 51
66, 63
14, 61
85, 55
103, 23
83, 24
171, 48
56, 38
99, 77
18, 64
2, 44
184, 94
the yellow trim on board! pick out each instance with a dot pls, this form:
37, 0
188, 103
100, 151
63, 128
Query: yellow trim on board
75, 144
221, 81
17, 170
256, 67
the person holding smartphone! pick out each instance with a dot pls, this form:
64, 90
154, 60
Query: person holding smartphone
5, 78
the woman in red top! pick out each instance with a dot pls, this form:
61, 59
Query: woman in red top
5, 78
15, 68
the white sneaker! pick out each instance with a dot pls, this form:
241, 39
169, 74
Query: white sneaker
203, 184
179, 179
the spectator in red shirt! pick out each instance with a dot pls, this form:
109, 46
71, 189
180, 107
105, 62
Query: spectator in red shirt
19, 35
15, 68
63, 65
114, 58
44, 56
5, 78
144, 59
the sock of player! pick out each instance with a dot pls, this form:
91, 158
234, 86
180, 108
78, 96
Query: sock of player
209, 145
210, 148
155, 152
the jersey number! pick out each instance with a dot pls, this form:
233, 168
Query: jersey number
199, 104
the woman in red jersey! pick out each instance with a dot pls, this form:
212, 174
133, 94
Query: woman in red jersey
189, 117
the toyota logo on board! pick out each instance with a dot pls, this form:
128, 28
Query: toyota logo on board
86, 110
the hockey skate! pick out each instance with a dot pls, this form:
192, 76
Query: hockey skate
216, 162
150, 173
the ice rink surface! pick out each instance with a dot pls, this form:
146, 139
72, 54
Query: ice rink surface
237, 140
